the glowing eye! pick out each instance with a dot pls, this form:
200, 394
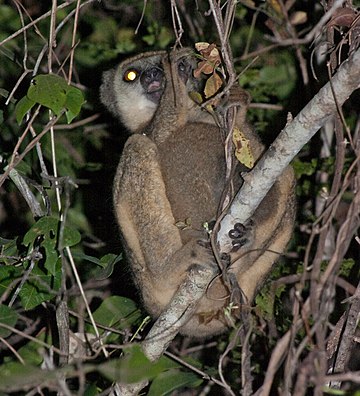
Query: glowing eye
131, 75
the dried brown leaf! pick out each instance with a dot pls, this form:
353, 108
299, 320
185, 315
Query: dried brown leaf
213, 85
243, 151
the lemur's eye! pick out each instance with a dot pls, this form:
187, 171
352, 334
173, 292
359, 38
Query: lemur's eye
131, 75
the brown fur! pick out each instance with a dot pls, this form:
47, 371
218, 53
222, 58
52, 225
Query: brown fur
175, 171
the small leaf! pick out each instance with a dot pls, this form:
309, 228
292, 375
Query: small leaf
49, 90
48, 227
7, 274
298, 17
40, 287
201, 46
133, 367
45, 227
9, 317
17, 377
304, 168
4, 93
213, 85
167, 382
91, 390
73, 103
196, 97
71, 237
55, 93
9, 251
108, 263
210, 59
203, 67
276, 6
243, 151
116, 311
22, 107
209, 52
81, 256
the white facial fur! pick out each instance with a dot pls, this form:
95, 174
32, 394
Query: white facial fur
128, 100
134, 108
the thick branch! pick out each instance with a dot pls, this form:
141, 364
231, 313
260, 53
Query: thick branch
176, 314
258, 182
290, 141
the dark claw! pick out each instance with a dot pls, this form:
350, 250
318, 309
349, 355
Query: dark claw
240, 227
240, 235
239, 243
238, 231
234, 234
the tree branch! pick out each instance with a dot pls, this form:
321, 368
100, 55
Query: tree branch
177, 313
289, 142
257, 183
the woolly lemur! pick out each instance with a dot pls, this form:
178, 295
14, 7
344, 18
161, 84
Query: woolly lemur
172, 169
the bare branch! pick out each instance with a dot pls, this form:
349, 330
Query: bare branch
295, 135
177, 313
290, 141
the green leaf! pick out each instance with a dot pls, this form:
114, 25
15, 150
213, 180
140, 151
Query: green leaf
108, 263
17, 376
49, 90
159, 35
82, 256
9, 251
282, 78
133, 367
30, 351
53, 92
265, 304
339, 392
91, 390
71, 237
7, 275
44, 280
73, 103
22, 107
47, 228
40, 287
4, 93
304, 168
9, 317
116, 311
167, 382
110, 259
346, 267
